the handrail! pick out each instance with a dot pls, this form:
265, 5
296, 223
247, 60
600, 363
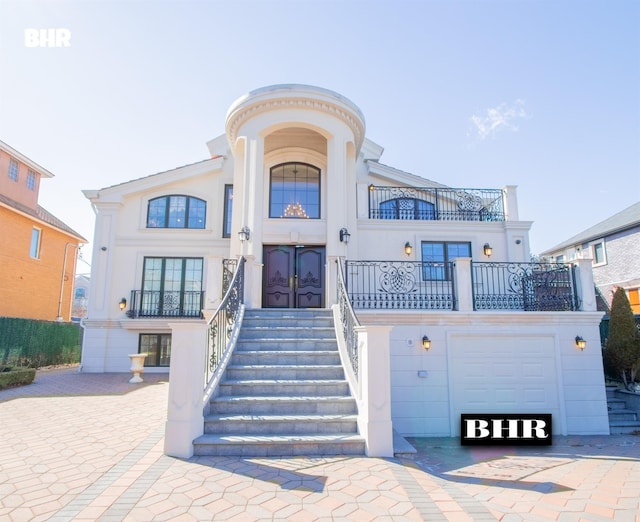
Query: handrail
348, 321
222, 328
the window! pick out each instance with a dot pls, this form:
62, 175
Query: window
31, 180
294, 191
634, 299
559, 259
80, 293
34, 250
158, 348
437, 256
172, 287
13, 169
598, 253
407, 208
228, 208
176, 212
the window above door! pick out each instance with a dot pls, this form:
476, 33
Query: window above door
294, 191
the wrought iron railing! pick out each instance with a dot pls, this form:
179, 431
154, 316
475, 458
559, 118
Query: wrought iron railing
221, 326
348, 321
523, 286
228, 269
154, 303
402, 285
439, 204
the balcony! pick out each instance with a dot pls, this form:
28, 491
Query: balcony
436, 204
416, 285
151, 303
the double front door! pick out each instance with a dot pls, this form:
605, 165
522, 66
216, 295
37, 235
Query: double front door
293, 276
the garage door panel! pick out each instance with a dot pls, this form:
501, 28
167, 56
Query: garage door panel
502, 375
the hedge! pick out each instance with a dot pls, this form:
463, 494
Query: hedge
33, 344
16, 376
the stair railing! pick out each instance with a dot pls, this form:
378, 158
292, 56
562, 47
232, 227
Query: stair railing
223, 328
348, 321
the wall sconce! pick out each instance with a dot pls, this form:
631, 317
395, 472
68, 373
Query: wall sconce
408, 248
371, 188
581, 344
487, 250
122, 303
426, 342
244, 233
344, 236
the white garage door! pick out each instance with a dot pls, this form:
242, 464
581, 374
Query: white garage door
503, 375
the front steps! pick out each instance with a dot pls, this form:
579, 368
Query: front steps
284, 392
621, 419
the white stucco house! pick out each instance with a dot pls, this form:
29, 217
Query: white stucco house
450, 315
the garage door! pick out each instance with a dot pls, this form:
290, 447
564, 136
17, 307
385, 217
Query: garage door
503, 375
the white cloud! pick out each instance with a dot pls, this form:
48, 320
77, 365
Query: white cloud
496, 119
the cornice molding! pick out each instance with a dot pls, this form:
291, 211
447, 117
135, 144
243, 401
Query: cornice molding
248, 108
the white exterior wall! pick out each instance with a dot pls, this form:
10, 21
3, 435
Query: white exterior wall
425, 405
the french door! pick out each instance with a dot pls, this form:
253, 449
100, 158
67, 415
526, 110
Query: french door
293, 276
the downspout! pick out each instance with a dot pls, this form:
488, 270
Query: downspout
64, 268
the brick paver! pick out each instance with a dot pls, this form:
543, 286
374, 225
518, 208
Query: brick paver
90, 447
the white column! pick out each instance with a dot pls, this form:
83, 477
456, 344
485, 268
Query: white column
585, 285
463, 284
185, 419
374, 373
511, 203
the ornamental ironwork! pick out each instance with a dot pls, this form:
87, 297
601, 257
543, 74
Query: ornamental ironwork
348, 321
524, 286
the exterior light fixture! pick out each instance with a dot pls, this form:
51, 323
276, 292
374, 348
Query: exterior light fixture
122, 303
244, 233
581, 344
371, 188
487, 250
344, 235
408, 248
426, 342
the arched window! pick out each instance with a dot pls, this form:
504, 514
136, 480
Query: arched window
176, 212
294, 191
407, 208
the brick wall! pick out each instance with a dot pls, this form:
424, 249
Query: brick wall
30, 288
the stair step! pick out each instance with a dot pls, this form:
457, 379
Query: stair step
276, 404
284, 357
287, 332
616, 404
292, 344
320, 388
624, 427
289, 371
623, 415
277, 424
279, 445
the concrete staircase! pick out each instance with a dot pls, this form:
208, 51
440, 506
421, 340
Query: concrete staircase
621, 418
284, 392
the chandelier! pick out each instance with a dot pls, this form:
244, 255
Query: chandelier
295, 210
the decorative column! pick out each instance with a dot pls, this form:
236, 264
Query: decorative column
185, 419
585, 286
463, 284
374, 373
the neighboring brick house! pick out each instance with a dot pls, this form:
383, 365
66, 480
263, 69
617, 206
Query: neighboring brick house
37, 251
614, 247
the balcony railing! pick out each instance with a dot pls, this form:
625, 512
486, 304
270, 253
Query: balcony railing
524, 286
407, 285
152, 303
439, 204
398, 285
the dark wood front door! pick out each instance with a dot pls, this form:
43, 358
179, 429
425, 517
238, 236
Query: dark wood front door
293, 277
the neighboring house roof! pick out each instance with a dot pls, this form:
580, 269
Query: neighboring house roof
21, 157
40, 214
623, 220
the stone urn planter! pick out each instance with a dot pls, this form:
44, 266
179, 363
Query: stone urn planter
137, 366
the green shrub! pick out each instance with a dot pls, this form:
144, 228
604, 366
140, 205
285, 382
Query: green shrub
16, 376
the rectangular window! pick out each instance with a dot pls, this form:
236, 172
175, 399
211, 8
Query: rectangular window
228, 209
598, 254
34, 250
559, 259
634, 299
158, 348
13, 169
437, 256
31, 180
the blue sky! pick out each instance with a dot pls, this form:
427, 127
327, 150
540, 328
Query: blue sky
544, 95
